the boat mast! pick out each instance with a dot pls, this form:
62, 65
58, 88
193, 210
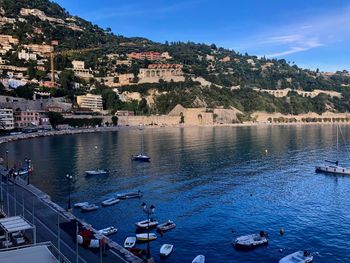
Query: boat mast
337, 141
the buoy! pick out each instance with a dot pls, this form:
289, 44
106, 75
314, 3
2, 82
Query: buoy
95, 146
281, 231
266, 150
281, 250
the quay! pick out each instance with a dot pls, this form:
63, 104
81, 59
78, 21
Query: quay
54, 224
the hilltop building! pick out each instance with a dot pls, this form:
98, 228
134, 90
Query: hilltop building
155, 72
80, 71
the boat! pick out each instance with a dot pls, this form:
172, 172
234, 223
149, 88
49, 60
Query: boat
111, 201
89, 207
97, 172
166, 226
141, 157
130, 242
146, 223
333, 166
199, 259
108, 231
166, 250
298, 257
81, 204
22, 172
130, 195
251, 241
146, 237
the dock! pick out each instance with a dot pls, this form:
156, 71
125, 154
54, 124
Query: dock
54, 224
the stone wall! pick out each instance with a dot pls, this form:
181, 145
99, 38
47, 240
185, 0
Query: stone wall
162, 120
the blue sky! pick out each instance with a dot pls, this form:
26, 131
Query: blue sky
313, 34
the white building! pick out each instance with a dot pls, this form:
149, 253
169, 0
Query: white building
27, 55
80, 71
90, 101
6, 119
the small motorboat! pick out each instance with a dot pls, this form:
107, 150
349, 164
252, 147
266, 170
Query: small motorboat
108, 231
141, 157
166, 226
146, 237
89, 207
146, 223
130, 195
298, 257
130, 242
199, 259
251, 241
81, 204
22, 172
111, 201
97, 172
166, 250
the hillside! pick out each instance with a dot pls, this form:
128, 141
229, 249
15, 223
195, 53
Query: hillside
188, 73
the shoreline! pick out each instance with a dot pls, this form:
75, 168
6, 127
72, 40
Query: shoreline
24, 136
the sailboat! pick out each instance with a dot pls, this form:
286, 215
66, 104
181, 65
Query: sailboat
333, 166
141, 157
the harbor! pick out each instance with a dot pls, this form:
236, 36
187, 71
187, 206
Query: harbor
242, 181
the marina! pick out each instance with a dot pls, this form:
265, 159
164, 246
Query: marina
248, 190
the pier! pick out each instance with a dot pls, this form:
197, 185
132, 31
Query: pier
54, 224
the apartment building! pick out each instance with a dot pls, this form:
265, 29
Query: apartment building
6, 119
90, 101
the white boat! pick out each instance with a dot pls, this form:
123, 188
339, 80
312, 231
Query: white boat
146, 236
97, 172
146, 223
251, 241
108, 231
166, 250
89, 207
298, 257
130, 195
166, 226
333, 166
111, 201
21, 172
199, 259
130, 242
81, 204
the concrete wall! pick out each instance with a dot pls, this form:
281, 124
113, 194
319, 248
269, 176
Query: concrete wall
149, 120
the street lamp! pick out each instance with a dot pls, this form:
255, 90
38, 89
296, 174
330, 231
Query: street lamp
7, 160
70, 179
28, 161
149, 211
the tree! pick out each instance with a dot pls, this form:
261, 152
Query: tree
55, 118
115, 120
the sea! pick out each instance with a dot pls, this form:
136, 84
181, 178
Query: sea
215, 183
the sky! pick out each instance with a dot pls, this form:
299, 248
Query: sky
311, 33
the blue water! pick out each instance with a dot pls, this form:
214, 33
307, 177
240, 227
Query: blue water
210, 181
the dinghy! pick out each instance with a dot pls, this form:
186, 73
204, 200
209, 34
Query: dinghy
199, 259
166, 250
89, 207
108, 231
111, 201
21, 171
298, 257
130, 242
146, 223
166, 226
251, 241
130, 195
81, 204
144, 236
97, 172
